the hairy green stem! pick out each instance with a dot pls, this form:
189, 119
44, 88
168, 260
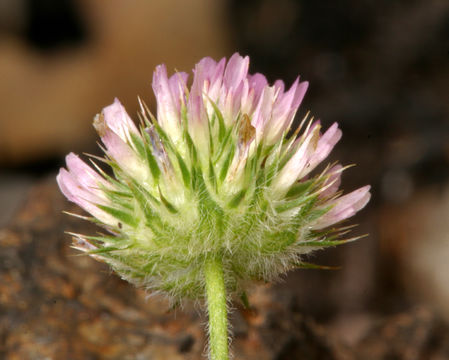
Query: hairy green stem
216, 306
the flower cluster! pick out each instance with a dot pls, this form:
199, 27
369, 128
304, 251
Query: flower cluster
215, 174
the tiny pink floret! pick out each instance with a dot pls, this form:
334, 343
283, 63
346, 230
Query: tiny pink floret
344, 207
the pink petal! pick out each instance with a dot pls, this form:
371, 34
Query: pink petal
299, 94
344, 207
257, 84
296, 166
198, 122
324, 146
216, 70
168, 113
208, 78
236, 71
262, 113
83, 173
280, 120
232, 103
279, 86
81, 196
118, 120
301, 90
284, 100
177, 84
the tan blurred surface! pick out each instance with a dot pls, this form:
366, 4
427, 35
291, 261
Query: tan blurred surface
415, 236
49, 100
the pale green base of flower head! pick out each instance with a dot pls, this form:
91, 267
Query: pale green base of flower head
215, 175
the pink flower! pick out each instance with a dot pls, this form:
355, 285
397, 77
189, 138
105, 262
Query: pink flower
214, 191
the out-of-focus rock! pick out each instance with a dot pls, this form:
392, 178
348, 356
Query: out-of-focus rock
13, 191
415, 240
411, 335
49, 99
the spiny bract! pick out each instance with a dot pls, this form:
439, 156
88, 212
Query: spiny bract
215, 174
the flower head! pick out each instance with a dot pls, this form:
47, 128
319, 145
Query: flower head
215, 174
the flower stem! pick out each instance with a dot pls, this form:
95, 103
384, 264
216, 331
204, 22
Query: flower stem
216, 306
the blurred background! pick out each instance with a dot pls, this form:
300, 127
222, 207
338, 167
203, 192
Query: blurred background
379, 68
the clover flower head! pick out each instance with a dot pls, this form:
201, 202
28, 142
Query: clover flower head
217, 173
